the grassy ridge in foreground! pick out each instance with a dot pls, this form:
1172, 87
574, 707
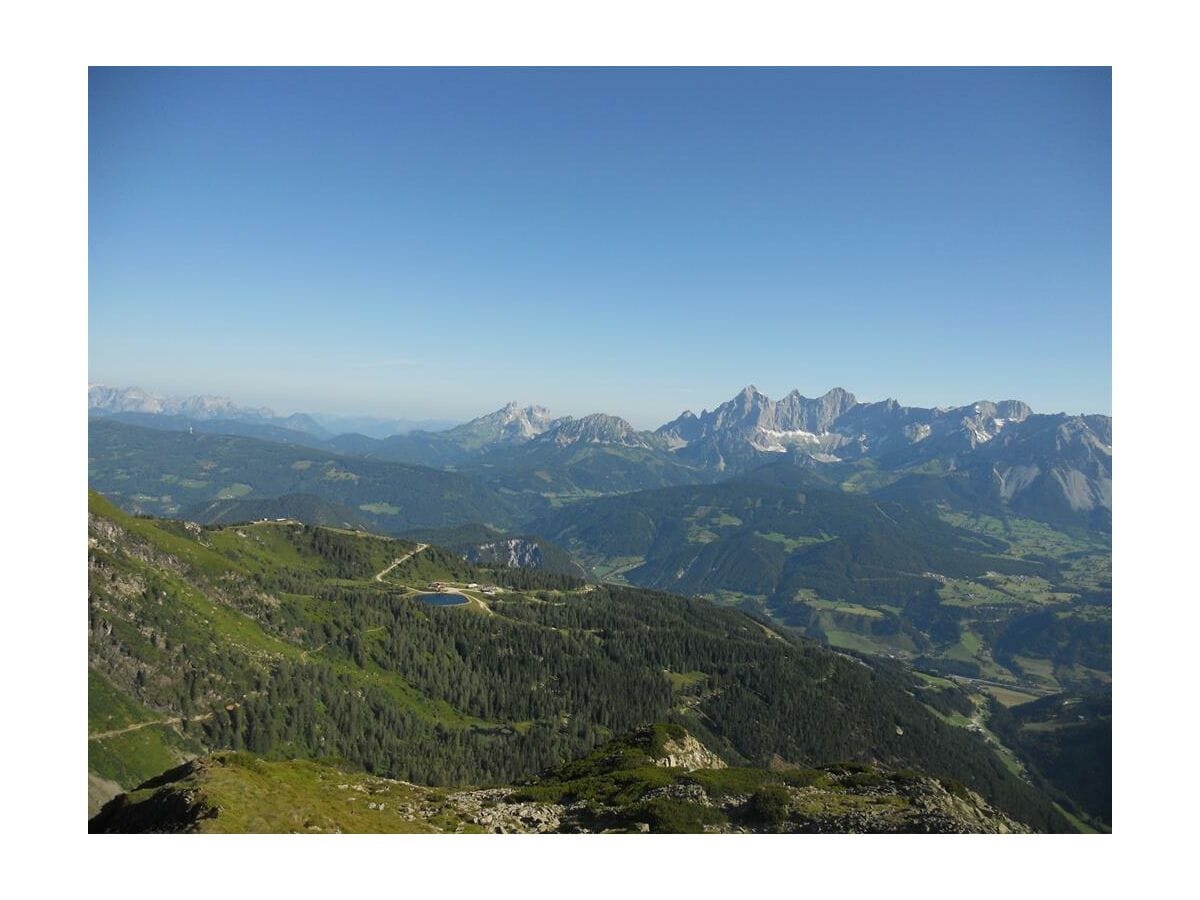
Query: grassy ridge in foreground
659, 779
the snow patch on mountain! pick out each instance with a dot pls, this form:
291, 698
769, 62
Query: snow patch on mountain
771, 440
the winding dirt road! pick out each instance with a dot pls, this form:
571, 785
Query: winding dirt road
107, 734
402, 559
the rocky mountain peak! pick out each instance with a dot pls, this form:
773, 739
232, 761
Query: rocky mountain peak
984, 419
795, 412
514, 412
510, 423
597, 428
1013, 410
683, 430
746, 411
839, 397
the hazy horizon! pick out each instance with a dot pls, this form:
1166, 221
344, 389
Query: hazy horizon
432, 243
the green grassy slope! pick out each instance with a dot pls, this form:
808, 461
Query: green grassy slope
127, 743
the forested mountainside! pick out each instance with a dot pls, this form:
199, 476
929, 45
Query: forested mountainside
1002, 599
1066, 742
291, 641
307, 508
164, 472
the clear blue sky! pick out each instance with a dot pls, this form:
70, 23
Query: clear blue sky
435, 242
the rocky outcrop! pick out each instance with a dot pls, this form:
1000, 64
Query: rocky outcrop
514, 553
897, 804
492, 811
688, 753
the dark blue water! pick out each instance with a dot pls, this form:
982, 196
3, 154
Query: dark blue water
442, 599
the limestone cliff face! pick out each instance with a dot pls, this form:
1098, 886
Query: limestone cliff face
598, 429
688, 753
512, 552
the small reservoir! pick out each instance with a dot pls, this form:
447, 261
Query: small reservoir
442, 599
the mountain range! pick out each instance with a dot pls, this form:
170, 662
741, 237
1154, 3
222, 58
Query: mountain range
132, 404
1056, 467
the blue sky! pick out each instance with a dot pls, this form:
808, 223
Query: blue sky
435, 242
